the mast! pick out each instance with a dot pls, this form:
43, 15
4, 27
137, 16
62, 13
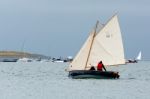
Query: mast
91, 44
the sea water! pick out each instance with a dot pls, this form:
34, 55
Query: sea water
47, 80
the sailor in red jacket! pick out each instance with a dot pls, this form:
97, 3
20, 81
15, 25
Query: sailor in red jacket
100, 66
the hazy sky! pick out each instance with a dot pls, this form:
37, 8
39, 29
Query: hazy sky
60, 27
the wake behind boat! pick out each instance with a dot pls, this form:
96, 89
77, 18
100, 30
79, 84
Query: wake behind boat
105, 45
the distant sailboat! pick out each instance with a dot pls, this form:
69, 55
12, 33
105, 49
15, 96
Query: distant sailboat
23, 57
103, 45
139, 57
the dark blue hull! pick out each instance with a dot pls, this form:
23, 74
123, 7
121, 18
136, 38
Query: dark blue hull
10, 60
86, 74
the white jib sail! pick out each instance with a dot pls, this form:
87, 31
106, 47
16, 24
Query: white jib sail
107, 45
80, 60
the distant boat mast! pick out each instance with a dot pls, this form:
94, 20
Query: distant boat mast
22, 49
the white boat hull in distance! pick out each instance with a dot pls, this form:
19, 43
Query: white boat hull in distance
24, 60
58, 61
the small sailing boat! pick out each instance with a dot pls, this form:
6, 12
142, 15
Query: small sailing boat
135, 60
103, 45
139, 57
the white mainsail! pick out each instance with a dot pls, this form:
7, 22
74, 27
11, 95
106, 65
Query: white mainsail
106, 46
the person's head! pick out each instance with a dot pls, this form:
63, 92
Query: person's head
100, 62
